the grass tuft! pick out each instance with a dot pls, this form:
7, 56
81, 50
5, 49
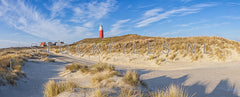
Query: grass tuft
48, 60
100, 67
128, 92
17, 68
132, 78
75, 67
52, 88
99, 93
100, 77
171, 91
10, 78
57, 51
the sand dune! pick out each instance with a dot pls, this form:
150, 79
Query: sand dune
211, 75
201, 79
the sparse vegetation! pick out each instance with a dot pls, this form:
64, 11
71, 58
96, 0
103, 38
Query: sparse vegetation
48, 60
101, 67
19, 57
160, 61
195, 57
99, 93
52, 88
106, 71
176, 45
57, 51
8, 78
17, 68
100, 77
129, 92
218, 47
171, 91
173, 57
75, 67
152, 57
132, 78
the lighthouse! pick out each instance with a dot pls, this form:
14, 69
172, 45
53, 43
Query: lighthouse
100, 31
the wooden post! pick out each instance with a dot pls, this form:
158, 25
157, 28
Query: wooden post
11, 68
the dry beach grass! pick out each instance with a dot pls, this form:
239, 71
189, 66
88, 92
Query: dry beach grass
220, 50
52, 88
217, 49
101, 73
103, 80
19, 57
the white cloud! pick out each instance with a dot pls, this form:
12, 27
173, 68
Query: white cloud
78, 11
117, 28
58, 6
88, 24
152, 12
3, 7
232, 17
93, 10
185, 25
12, 43
100, 9
191, 30
28, 19
204, 5
190, 24
234, 3
175, 12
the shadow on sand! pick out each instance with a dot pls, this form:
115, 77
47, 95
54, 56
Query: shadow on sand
223, 89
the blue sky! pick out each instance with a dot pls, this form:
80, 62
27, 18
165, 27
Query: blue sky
23, 22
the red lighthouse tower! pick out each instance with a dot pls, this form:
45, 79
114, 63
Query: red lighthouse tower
101, 32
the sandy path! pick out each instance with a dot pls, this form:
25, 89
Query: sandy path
37, 73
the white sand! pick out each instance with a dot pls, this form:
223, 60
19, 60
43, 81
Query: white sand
205, 80
37, 73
